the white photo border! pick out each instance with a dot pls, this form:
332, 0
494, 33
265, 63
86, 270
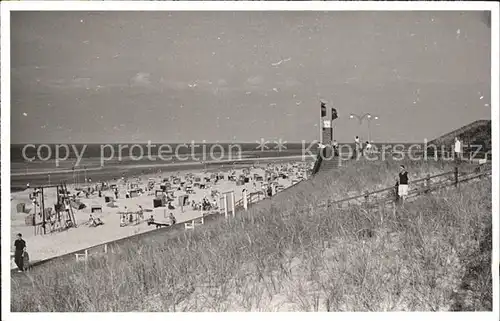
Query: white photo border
7, 7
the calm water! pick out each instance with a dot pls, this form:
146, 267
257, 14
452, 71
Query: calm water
133, 161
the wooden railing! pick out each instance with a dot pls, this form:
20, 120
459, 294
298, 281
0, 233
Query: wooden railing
467, 156
252, 198
417, 187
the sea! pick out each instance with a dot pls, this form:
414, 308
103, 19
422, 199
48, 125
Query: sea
46, 164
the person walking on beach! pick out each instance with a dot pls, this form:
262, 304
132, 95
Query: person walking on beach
403, 183
20, 247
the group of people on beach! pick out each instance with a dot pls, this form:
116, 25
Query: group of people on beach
360, 148
95, 221
209, 202
171, 220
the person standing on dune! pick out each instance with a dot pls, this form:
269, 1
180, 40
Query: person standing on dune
403, 183
458, 150
335, 146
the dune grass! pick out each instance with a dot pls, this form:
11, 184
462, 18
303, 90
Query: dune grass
435, 254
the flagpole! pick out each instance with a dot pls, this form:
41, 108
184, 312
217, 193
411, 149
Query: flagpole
334, 117
321, 123
320, 128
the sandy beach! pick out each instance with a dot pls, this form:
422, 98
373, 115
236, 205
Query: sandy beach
43, 246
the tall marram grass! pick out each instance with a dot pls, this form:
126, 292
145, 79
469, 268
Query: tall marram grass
434, 254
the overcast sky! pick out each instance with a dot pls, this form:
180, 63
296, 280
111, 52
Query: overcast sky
223, 76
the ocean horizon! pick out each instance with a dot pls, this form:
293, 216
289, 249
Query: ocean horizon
135, 150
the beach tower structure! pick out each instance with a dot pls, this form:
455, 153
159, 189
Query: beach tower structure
327, 132
326, 159
66, 218
326, 124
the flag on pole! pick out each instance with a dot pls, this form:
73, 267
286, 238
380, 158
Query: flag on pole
323, 109
334, 114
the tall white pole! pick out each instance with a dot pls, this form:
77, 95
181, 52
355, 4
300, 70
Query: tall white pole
369, 131
245, 201
232, 203
225, 205
320, 127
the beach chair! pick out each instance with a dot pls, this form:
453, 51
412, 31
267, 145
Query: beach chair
133, 193
69, 223
21, 208
112, 204
30, 219
95, 208
195, 222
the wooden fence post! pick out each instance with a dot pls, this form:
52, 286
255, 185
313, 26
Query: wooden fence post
456, 175
428, 183
366, 198
245, 200
225, 205
232, 204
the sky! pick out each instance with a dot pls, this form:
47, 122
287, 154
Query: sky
91, 77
